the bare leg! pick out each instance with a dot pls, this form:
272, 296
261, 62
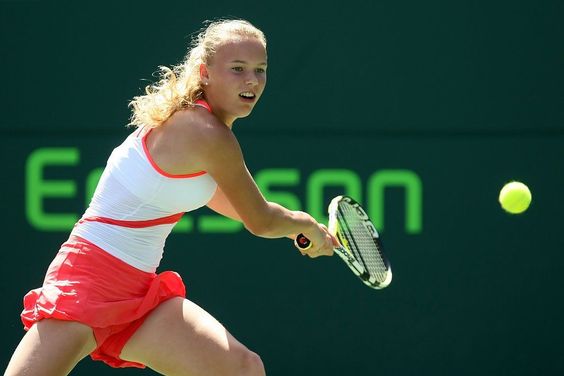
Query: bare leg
180, 338
51, 348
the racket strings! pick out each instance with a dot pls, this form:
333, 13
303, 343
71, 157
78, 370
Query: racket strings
361, 242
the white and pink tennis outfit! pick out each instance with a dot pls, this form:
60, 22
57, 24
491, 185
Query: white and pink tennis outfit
136, 204
104, 275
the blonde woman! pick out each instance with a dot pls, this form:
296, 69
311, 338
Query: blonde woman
101, 294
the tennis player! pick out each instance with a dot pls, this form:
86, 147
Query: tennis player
101, 294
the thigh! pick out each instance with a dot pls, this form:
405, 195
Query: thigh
180, 338
51, 347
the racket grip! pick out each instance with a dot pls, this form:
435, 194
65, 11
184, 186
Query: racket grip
302, 242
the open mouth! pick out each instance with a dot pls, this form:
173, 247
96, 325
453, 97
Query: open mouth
247, 95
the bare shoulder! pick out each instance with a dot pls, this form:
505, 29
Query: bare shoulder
203, 136
201, 125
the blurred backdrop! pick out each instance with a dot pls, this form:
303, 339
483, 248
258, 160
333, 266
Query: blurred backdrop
420, 110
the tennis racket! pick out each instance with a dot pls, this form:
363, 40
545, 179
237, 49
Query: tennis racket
360, 248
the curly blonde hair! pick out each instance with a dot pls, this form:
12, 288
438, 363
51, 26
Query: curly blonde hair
180, 86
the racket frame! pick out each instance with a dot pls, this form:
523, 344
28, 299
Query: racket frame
350, 260
346, 255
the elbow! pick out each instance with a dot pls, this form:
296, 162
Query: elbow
259, 229
262, 227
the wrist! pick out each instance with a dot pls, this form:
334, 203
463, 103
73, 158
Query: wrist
306, 222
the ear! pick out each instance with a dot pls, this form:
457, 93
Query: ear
204, 76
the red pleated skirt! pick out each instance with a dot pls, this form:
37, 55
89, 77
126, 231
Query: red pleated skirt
84, 283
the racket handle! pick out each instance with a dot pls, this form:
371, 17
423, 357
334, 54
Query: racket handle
302, 242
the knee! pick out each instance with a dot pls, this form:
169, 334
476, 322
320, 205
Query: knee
251, 364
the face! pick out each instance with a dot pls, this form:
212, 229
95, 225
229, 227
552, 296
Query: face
235, 77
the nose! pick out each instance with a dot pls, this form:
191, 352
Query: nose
251, 80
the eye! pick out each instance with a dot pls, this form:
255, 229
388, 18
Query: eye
260, 70
237, 69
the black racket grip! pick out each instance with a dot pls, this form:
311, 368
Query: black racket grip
302, 242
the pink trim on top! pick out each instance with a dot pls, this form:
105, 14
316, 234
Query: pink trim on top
204, 104
161, 171
136, 224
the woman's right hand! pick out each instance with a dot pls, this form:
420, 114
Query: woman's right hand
322, 241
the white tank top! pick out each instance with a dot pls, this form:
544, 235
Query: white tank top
136, 204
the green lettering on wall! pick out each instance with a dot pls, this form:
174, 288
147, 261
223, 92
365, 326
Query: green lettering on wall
185, 225
218, 223
321, 179
91, 183
38, 189
411, 183
270, 178
277, 184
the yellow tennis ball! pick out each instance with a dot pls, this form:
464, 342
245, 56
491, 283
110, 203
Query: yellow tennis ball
515, 197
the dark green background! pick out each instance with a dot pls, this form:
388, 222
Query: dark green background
466, 94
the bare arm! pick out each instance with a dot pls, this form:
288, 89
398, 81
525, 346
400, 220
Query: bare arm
220, 204
239, 197
218, 152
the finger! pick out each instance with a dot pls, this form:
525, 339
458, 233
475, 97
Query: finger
335, 241
325, 251
314, 252
328, 251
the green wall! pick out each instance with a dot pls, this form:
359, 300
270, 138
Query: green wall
460, 97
